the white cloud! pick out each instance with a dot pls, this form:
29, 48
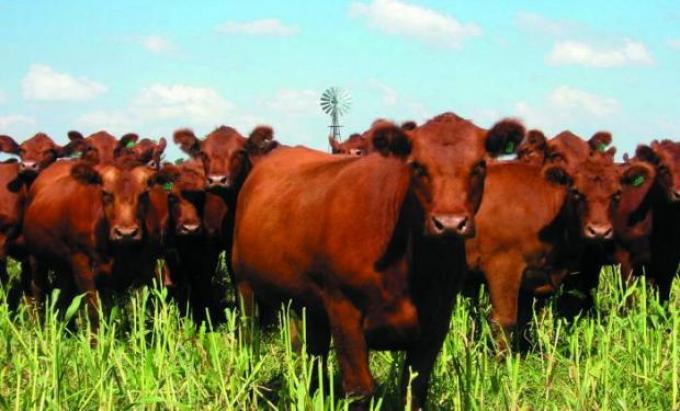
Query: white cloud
538, 23
674, 44
263, 27
14, 120
569, 98
187, 105
430, 26
181, 101
295, 102
574, 52
44, 84
158, 44
567, 107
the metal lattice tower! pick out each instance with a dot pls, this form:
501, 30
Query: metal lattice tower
335, 102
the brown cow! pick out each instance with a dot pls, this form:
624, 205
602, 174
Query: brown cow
35, 154
102, 147
649, 226
223, 159
88, 223
301, 214
536, 224
12, 198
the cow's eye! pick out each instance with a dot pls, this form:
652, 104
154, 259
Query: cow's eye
576, 195
418, 169
616, 197
107, 197
172, 199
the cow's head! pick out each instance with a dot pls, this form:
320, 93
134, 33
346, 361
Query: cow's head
225, 154
355, 145
145, 151
184, 218
447, 161
632, 218
35, 154
594, 183
532, 149
124, 195
101, 147
665, 157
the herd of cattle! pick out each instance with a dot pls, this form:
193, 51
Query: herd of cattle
375, 241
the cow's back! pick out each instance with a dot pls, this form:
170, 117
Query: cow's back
61, 213
318, 214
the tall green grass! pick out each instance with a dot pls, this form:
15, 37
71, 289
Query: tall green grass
624, 357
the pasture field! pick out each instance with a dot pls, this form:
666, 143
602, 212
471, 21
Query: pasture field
624, 357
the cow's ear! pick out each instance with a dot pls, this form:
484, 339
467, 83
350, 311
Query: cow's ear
599, 141
557, 175
125, 143
388, 139
85, 173
611, 152
160, 147
8, 145
187, 141
260, 141
409, 125
504, 137
646, 153
636, 176
75, 135
167, 176
335, 145
75, 146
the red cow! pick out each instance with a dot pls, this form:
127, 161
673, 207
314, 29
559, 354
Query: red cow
12, 197
35, 154
88, 223
101, 147
649, 225
223, 159
301, 214
535, 225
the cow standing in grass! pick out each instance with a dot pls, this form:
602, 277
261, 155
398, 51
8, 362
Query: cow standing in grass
224, 157
371, 246
539, 223
649, 226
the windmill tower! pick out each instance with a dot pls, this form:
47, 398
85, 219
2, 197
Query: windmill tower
335, 102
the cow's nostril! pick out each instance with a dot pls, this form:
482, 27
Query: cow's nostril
461, 225
437, 224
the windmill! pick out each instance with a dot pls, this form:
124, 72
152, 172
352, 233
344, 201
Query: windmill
335, 102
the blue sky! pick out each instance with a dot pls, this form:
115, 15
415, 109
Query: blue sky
152, 67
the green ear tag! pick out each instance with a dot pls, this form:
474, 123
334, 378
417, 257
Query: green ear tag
510, 147
638, 181
601, 147
76, 154
167, 186
130, 144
